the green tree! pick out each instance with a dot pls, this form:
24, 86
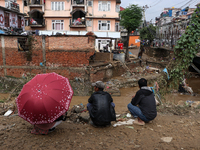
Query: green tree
148, 33
185, 50
131, 18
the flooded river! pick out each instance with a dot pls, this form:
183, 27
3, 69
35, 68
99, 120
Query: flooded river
122, 101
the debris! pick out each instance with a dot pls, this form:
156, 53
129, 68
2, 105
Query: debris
128, 115
167, 139
85, 116
129, 122
193, 104
130, 127
9, 112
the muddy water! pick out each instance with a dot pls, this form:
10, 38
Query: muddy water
121, 102
127, 93
194, 82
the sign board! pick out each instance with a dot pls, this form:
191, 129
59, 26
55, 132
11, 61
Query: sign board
137, 40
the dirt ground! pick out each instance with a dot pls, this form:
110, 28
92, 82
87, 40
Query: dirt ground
181, 125
175, 128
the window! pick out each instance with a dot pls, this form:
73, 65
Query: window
7, 20
57, 5
26, 22
90, 3
57, 24
19, 20
117, 26
104, 25
104, 5
117, 8
25, 3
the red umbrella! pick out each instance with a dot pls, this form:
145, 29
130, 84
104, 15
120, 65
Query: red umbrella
44, 98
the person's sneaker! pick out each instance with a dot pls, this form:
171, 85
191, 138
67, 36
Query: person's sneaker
52, 129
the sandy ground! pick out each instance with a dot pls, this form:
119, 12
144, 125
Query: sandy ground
180, 126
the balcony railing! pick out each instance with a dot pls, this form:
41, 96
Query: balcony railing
36, 2
77, 23
36, 22
78, 2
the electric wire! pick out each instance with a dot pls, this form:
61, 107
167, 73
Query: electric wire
196, 1
152, 3
186, 3
156, 3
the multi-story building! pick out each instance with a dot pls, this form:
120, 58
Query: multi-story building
171, 25
10, 16
73, 17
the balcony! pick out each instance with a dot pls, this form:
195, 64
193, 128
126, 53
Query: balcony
36, 3
77, 23
36, 23
78, 2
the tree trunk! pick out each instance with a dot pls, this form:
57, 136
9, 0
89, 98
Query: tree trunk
127, 51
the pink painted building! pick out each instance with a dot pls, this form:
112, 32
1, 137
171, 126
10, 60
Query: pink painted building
73, 17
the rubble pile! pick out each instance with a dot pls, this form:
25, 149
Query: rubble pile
78, 114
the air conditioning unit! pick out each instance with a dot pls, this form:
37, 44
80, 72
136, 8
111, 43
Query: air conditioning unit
7, 5
12, 5
104, 15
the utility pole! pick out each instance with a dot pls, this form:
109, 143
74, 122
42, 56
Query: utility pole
144, 9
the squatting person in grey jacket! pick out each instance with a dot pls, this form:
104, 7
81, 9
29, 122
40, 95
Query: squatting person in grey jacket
101, 106
143, 104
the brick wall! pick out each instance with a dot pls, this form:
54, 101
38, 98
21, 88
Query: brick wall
65, 55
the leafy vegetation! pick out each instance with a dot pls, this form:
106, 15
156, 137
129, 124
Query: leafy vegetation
131, 18
185, 50
148, 33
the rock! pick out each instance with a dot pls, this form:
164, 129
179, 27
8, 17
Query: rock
79, 108
85, 116
166, 139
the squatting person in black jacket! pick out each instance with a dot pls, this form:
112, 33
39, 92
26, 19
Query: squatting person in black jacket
145, 100
101, 106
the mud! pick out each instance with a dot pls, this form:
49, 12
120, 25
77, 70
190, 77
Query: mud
180, 124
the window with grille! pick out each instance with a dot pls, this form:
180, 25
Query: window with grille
57, 6
104, 25
90, 3
117, 26
117, 8
7, 20
57, 24
104, 5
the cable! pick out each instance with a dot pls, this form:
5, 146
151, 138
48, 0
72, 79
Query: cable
186, 4
153, 2
178, 3
156, 3
196, 1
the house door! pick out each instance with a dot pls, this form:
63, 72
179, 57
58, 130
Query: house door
19, 22
99, 44
6, 18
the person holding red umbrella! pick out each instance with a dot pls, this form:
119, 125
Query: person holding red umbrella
49, 127
44, 100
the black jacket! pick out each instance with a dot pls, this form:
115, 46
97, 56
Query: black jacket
102, 112
146, 101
